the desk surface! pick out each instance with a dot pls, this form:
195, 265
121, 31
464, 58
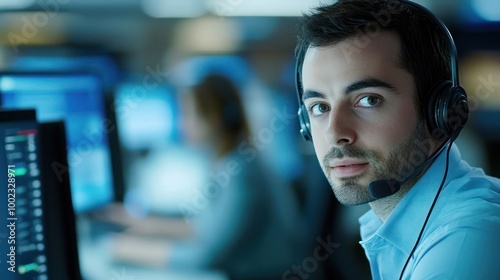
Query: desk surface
97, 263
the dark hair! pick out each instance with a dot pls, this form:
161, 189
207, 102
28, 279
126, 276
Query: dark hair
424, 47
218, 100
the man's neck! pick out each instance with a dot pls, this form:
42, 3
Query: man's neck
383, 207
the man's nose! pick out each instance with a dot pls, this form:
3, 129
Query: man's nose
340, 130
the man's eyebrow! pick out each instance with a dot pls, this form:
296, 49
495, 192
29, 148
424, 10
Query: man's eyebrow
367, 83
312, 94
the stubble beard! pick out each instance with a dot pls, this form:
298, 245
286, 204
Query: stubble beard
354, 190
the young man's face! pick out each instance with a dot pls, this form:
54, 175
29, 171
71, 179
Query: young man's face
363, 119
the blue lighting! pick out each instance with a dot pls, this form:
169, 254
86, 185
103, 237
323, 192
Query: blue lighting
488, 10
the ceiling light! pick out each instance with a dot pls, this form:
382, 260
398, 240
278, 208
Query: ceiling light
173, 8
15, 4
262, 7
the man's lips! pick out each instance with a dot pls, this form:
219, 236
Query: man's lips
348, 167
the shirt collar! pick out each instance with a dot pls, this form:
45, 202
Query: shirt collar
411, 211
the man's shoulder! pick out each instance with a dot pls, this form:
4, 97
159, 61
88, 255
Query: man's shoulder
471, 188
468, 203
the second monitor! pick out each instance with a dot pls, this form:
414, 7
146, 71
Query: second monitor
78, 99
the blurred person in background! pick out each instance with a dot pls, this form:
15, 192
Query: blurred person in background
242, 222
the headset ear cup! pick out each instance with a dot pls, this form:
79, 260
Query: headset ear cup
448, 110
305, 125
436, 110
458, 111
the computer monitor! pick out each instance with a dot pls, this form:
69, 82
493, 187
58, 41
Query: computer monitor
78, 99
99, 64
23, 251
146, 121
39, 240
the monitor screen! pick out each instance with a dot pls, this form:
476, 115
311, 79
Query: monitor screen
46, 61
39, 240
22, 240
146, 119
77, 99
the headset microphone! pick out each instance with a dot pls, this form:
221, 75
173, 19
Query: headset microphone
386, 187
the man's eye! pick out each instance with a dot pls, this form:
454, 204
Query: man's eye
318, 109
369, 101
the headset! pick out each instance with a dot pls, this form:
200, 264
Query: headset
447, 111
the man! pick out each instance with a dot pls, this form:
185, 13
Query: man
366, 71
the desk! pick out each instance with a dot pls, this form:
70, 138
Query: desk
96, 261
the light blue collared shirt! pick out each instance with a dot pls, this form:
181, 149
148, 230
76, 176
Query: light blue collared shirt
461, 239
